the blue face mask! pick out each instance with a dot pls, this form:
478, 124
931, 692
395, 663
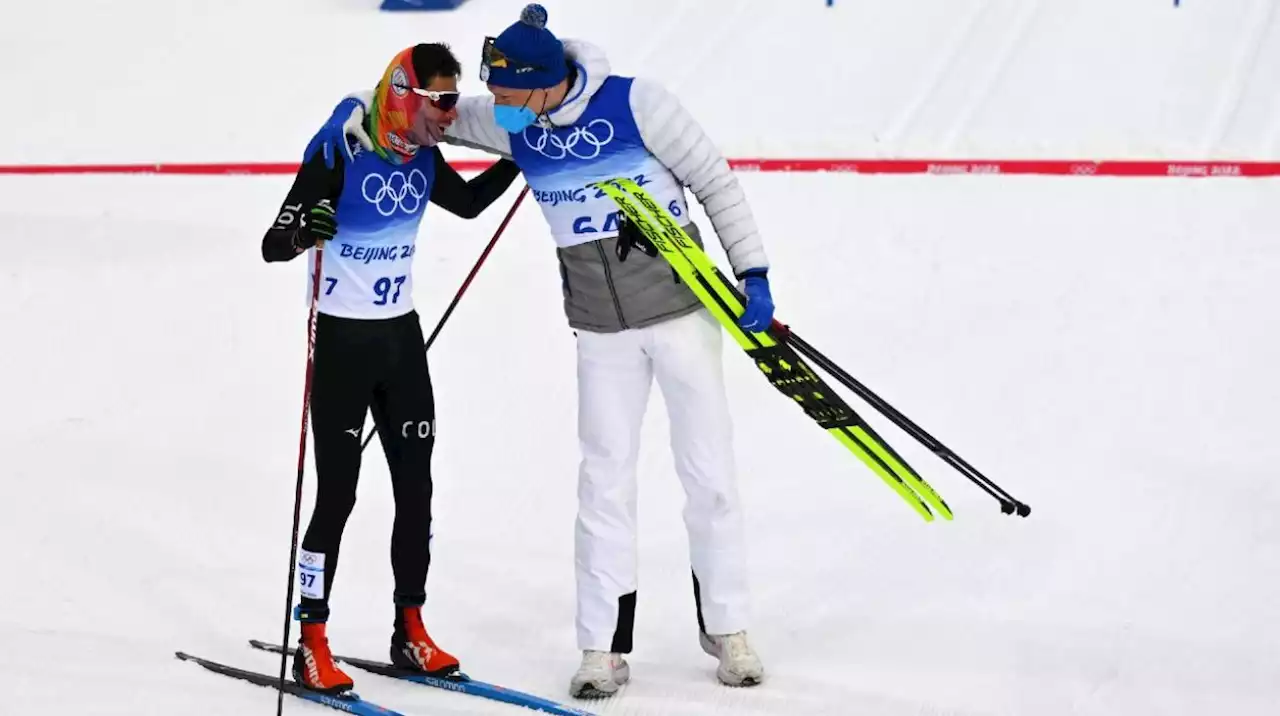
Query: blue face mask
513, 119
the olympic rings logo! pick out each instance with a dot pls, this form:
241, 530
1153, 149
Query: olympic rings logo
395, 192
583, 142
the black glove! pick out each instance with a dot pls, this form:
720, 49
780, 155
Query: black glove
320, 223
630, 237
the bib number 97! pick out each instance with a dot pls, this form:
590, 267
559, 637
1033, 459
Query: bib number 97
382, 287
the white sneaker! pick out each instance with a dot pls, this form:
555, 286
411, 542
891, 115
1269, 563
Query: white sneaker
601, 674
739, 665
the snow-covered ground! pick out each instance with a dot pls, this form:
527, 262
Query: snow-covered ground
1104, 349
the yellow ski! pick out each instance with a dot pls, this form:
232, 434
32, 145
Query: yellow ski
785, 369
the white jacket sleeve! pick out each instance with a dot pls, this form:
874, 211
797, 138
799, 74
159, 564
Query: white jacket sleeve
476, 127
678, 141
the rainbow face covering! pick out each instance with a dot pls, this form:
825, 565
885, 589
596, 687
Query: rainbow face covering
394, 110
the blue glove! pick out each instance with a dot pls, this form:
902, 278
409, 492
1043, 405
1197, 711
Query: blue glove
758, 315
332, 135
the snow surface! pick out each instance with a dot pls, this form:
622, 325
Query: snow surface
1104, 349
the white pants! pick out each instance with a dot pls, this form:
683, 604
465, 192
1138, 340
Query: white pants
615, 371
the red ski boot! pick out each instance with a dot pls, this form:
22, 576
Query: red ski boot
412, 648
313, 664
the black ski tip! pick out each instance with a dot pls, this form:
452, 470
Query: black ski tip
1006, 508
182, 655
1023, 509
270, 647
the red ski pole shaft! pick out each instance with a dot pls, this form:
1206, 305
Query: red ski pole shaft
302, 461
476, 269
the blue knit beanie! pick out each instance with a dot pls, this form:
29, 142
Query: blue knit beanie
529, 42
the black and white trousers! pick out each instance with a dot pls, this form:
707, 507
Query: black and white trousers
616, 372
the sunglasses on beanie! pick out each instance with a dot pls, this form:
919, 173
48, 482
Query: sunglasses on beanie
492, 57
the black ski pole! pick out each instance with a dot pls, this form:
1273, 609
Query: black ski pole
458, 296
1008, 503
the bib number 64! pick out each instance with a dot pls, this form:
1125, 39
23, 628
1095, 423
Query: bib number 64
585, 225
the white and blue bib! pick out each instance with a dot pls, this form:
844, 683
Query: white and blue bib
603, 144
368, 265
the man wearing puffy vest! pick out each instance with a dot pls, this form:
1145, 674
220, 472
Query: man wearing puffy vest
567, 122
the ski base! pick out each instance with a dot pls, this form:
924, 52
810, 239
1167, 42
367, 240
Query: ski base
457, 682
348, 702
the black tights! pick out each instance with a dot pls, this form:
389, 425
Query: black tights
377, 365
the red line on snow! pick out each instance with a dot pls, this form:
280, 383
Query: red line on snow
1051, 167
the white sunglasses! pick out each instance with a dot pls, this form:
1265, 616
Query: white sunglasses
437, 96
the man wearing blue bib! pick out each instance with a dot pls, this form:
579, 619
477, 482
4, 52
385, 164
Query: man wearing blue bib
567, 122
369, 354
